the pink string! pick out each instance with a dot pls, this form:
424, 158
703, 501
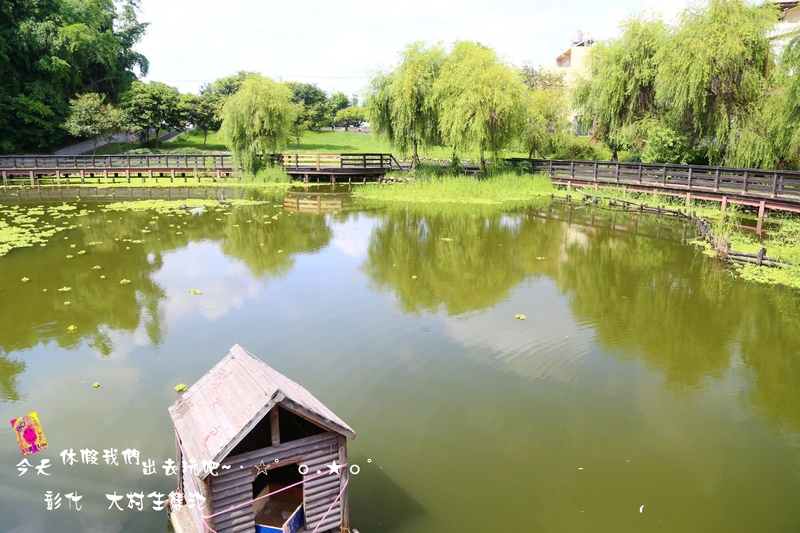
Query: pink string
321, 520
245, 504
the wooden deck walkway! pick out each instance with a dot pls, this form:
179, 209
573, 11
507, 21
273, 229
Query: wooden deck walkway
764, 189
58, 170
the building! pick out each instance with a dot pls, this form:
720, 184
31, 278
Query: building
267, 454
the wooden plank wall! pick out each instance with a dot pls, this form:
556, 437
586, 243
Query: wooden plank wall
234, 486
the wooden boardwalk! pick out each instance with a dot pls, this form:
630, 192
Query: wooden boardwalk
66, 170
764, 189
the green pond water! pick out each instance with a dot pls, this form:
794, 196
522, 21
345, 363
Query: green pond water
644, 375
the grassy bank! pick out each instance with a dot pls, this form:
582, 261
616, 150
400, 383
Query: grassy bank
425, 187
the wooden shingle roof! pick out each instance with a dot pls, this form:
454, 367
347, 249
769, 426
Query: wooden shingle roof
218, 411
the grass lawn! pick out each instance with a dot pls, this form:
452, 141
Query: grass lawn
334, 142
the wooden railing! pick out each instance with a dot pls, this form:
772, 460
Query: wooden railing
145, 161
757, 183
332, 161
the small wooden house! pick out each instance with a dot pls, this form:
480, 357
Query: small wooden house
268, 434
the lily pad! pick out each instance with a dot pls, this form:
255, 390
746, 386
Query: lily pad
25, 280
124, 281
180, 387
102, 277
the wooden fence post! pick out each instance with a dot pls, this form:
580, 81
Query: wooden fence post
689, 178
746, 175
664, 176
32, 178
5, 179
760, 255
762, 207
716, 181
774, 184
594, 173
317, 161
640, 174
83, 176
572, 169
551, 169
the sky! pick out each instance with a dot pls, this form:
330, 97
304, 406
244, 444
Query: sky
338, 43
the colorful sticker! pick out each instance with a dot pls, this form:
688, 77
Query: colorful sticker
30, 436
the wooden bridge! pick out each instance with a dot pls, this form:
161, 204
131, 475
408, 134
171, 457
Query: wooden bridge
58, 170
764, 189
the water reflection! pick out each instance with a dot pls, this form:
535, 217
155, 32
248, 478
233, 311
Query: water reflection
131, 246
645, 298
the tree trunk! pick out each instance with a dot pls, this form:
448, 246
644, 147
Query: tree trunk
94, 145
614, 155
415, 159
156, 138
483, 162
205, 134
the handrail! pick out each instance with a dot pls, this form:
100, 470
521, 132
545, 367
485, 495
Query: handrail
745, 182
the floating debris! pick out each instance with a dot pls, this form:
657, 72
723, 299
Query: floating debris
180, 387
97, 267
25, 280
124, 281
72, 329
96, 384
65, 289
520, 316
195, 291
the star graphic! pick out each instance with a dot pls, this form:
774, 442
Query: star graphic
261, 467
334, 468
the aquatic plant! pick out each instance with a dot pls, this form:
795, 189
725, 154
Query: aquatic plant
195, 291
65, 289
25, 280
180, 387
520, 316
124, 281
72, 329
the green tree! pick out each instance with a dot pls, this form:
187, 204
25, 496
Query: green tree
201, 112
545, 122
621, 89
350, 116
314, 101
91, 117
714, 67
153, 106
479, 100
312, 106
51, 50
400, 106
258, 120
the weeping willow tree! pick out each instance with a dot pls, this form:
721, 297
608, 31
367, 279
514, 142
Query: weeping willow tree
257, 120
480, 101
545, 123
621, 88
714, 69
399, 105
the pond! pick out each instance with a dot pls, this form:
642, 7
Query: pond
647, 389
